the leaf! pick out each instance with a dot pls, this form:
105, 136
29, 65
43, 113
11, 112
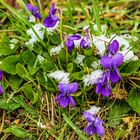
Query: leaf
29, 93
134, 99
131, 67
70, 67
47, 66
5, 48
28, 55
117, 111
17, 131
36, 97
15, 82
32, 66
55, 39
78, 75
88, 61
9, 64
10, 106
89, 51
21, 70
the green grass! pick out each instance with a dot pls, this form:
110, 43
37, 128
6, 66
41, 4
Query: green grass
20, 113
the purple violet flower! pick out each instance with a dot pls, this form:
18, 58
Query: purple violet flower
34, 11
112, 64
1, 90
64, 98
85, 42
1, 75
103, 87
70, 43
94, 125
51, 21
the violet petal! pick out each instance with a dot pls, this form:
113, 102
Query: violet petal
1, 90
1, 75
71, 100
114, 75
64, 101
73, 87
106, 61
113, 47
50, 22
100, 130
89, 117
117, 59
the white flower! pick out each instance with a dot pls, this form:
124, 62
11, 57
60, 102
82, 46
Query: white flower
40, 58
14, 41
126, 49
103, 27
128, 55
56, 50
95, 64
39, 29
79, 59
77, 43
60, 76
31, 19
92, 78
51, 29
12, 46
123, 40
94, 110
40, 125
100, 43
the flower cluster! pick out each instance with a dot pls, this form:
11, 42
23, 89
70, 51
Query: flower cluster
64, 98
90, 71
1, 90
110, 62
50, 23
95, 124
34, 11
76, 41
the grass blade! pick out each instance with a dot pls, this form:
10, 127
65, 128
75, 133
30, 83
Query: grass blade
79, 132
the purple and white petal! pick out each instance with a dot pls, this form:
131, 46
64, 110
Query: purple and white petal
85, 42
89, 117
74, 37
34, 11
50, 22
